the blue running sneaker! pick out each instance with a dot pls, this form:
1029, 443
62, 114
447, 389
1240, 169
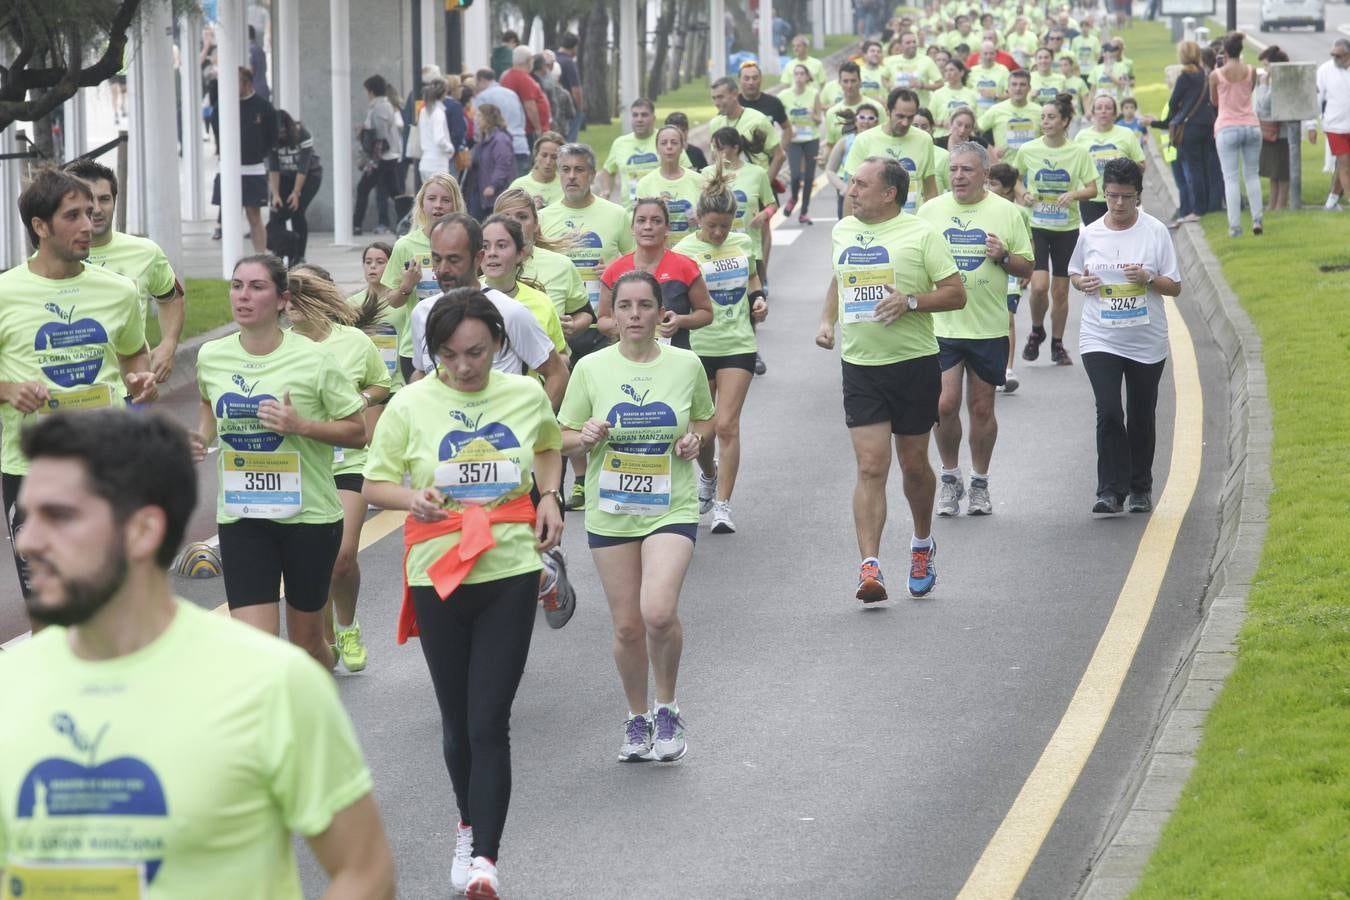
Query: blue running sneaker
922, 570
669, 744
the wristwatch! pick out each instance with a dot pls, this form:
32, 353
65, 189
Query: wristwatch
1151, 278
555, 494
1004, 260
912, 302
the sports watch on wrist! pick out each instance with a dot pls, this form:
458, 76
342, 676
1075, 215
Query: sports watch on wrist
912, 302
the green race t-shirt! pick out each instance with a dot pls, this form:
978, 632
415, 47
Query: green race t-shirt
541, 307
1044, 89
1086, 48
359, 359
65, 334
749, 123
635, 483
681, 197
1012, 125
875, 81
1102, 80
813, 65
801, 113
911, 73
184, 756
831, 93
559, 277
543, 193
139, 259
1023, 46
264, 474
1048, 172
965, 229
599, 233
1112, 144
726, 272
905, 253
946, 101
834, 128
474, 447
385, 337
753, 192
914, 151
941, 168
632, 157
415, 245
989, 83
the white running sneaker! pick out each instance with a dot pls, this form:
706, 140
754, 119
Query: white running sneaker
483, 884
1010, 382
707, 489
459, 868
721, 521
950, 492
637, 739
979, 503
669, 744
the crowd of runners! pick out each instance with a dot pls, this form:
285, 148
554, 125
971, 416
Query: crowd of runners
565, 331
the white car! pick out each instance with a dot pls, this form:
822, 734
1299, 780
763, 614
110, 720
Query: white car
1287, 13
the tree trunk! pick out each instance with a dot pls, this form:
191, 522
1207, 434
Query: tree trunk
744, 31
595, 65
550, 32
656, 75
681, 40
525, 32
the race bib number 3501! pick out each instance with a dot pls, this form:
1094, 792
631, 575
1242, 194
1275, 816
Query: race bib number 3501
635, 484
1123, 305
261, 485
860, 290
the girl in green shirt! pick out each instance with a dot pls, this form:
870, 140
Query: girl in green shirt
802, 102
755, 199
541, 182
1105, 141
673, 183
280, 404
503, 250
642, 411
951, 96
374, 260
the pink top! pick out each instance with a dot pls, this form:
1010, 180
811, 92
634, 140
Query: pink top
1235, 102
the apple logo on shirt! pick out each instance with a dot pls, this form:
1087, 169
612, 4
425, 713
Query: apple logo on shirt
237, 415
1049, 178
645, 426
967, 243
59, 342
585, 252
119, 804
864, 254
495, 433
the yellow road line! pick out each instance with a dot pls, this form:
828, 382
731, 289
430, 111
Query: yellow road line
377, 527
1015, 844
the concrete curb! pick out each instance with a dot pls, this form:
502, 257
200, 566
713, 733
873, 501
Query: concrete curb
1156, 786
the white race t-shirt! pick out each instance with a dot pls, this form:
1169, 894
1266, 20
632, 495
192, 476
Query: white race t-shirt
1125, 319
527, 344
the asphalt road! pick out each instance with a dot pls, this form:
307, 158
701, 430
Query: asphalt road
1302, 43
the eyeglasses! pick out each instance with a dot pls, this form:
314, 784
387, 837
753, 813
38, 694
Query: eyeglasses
1119, 198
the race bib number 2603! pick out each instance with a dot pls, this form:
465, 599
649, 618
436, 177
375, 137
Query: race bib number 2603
860, 290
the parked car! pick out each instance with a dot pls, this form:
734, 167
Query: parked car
1288, 13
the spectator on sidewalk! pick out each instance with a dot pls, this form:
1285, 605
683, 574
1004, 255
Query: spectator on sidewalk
381, 136
561, 108
433, 131
493, 166
1333, 95
257, 137
501, 57
512, 112
1189, 107
295, 172
257, 61
570, 80
1237, 133
532, 99
1274, 135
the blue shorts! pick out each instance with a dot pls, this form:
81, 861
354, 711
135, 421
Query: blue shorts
601, 541
986, 357
1014, 301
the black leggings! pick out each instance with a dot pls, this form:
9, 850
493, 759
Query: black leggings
802, 164
383, 180
299, 225
14, 520
1126, 434
475, 644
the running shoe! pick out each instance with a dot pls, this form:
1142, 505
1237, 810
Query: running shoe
669, 744
1011, 382
871, 584
804, 219
463, 861
1032, 351
979, 503
787, 210
559, 598
1141, 502
721, 523
922, 570
1257, 228
760, 368
707, 489
351, 649
577, 499
483, 883
1058, 355
637, 740
950, 493
1108, 504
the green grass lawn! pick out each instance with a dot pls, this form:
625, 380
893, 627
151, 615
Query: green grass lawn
1266, 813
207, 306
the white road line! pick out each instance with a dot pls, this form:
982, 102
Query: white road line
782, 237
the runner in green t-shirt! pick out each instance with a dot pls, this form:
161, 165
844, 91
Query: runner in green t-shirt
988, 78
71, 335
631, 156
755, 202
141, 712
541, 182
280, 404
374, 260
953, 95
911, 147
990, 242
544, 264
727, 346
471, 442
1057, 174
914, 70
642, 411
1022, 42
137, 258
318, 311
503, 252
801, 51
802, 103
1046, 83
763, 143
408, 278
1105, 141
1003, 182
876, 78
1014, 121
851, 100
923, 120
673, 183
891, 272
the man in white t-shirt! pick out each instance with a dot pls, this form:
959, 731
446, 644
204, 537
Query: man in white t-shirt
456, 251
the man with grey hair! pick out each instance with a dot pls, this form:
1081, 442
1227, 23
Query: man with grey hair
532, 97
513, 113
991, 243
892, 272
1333, 95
